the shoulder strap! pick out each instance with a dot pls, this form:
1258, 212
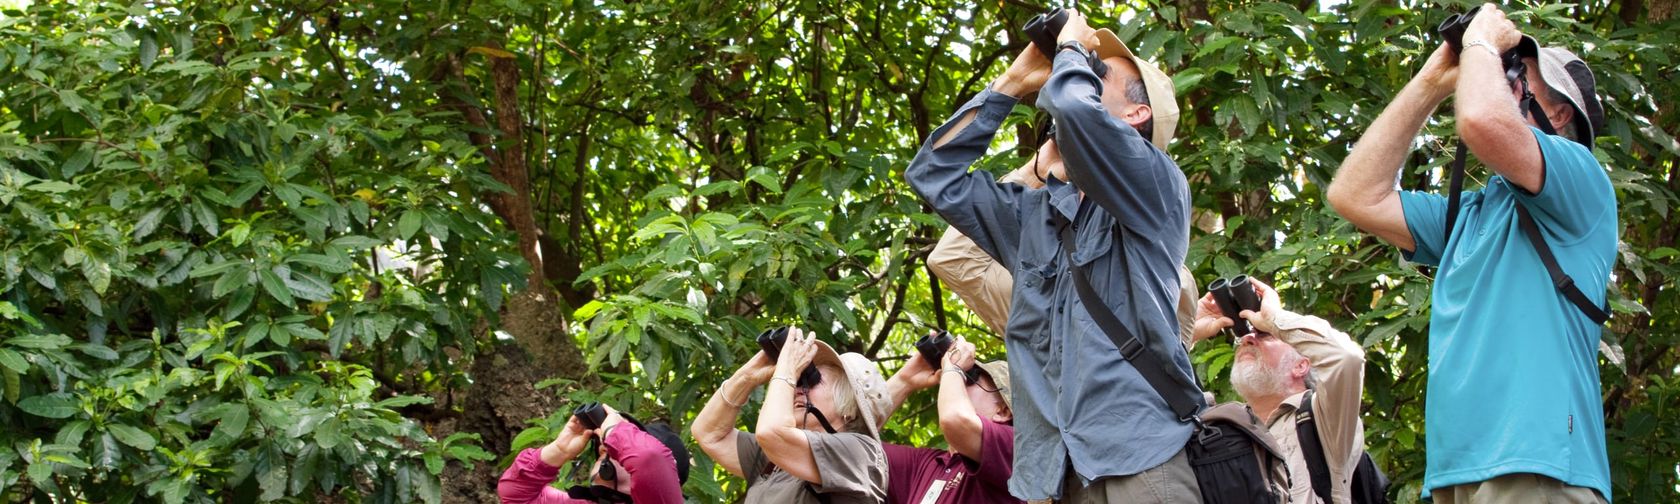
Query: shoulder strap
1306, 433
1181, 397
1560, 280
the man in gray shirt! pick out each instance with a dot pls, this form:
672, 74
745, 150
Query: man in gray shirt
1089, 428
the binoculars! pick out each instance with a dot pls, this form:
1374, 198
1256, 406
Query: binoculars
771, 341
590, 415
1452, 31
1043, 29
1233, 295
933, 350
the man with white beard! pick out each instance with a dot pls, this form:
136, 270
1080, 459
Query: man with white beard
1290, 359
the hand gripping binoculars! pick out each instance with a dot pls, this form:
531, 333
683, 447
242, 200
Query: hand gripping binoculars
771, 341
933, 350
1233, 295
591, 415
1043, 29
1452, 32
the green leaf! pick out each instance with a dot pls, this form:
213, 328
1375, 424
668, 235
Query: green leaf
132, 436
148, 50
54, 405
231, 425
40, 341
13, 361
98, 274
77, 161
98, 351
409, 224
276, 287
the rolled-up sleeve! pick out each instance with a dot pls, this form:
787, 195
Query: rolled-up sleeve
981, 208
1106, 158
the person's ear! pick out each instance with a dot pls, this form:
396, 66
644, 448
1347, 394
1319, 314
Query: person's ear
1560, 114
1138, 114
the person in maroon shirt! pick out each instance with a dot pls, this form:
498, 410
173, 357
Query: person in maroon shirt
649, 465
976, 421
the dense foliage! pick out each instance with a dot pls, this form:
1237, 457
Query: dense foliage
269, 250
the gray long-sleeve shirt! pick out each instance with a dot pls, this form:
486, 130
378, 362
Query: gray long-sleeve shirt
1076, 399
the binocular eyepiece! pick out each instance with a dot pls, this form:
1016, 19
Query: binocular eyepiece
771, 341
1452, 32
590, 414
933, 350
1233, 295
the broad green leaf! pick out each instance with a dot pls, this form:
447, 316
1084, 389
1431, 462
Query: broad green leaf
54, 405
13, 361
132, 436
39, 341
275, 287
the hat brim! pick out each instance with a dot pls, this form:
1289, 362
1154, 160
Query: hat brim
998, 372
866, 387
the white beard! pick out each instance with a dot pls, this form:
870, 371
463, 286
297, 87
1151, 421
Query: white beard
1254, 380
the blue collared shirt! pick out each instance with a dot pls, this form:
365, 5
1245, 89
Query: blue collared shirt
1076, 399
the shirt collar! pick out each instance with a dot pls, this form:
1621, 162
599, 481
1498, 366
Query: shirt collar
1064, 197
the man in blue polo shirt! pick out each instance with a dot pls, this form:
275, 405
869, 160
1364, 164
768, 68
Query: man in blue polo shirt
1513, 412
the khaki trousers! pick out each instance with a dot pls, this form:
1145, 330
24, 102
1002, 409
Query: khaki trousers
1170, 482
1523, 488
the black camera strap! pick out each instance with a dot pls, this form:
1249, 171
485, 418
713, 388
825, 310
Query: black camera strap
1180, 396
1560, 280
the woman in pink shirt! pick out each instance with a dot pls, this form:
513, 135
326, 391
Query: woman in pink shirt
644, 465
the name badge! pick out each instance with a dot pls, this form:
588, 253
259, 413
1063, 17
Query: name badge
933, 492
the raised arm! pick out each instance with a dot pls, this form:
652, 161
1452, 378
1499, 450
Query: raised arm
527, 480
958, 420
973, 203
1489, 120
652, 466
714, 428
1363, 190
778, 431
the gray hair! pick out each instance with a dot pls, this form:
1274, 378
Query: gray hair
1137, 93
845, 399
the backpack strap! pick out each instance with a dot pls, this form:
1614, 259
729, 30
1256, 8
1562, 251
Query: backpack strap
1312, 449
1180, 396
1560, 280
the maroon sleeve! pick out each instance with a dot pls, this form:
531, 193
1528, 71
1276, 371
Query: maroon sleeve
527, 482
653, 471
906, 466
997, 453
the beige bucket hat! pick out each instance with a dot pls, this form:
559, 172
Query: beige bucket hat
867, 383
1162, 102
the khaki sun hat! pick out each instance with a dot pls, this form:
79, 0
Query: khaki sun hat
868, 386
1162, 104
998, 371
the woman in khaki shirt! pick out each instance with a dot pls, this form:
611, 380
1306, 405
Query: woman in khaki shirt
818, 444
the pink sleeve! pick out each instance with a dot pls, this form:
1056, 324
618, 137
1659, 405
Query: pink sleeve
997, 452
527, 482
653, 470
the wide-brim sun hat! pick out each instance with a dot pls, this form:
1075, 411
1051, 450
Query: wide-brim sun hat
1163, 105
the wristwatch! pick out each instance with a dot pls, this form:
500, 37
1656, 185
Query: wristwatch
1076, 46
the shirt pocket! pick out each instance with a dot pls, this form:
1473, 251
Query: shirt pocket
1031, 307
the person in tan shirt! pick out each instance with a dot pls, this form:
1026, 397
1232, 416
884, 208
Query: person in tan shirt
1287, 357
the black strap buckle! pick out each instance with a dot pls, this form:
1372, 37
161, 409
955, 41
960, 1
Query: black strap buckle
1131, 348
1207, 433
1564, 282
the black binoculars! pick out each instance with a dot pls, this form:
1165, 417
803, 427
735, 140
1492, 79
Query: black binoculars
1043, 29
1233, 295
933, 350
771, 341
591, 415
1452, 31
